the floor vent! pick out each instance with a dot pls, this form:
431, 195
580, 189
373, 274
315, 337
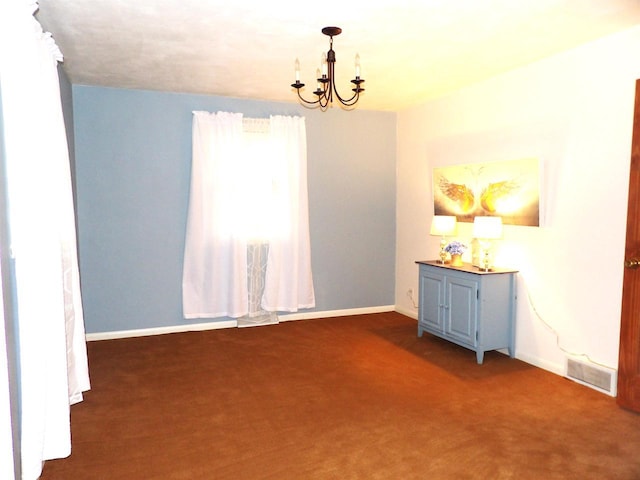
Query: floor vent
598, 377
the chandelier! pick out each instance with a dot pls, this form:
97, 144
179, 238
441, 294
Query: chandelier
326, 88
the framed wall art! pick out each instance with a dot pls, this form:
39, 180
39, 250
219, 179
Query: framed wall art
509, 189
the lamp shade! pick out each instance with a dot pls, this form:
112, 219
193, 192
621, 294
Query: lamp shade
443, 225
487, 227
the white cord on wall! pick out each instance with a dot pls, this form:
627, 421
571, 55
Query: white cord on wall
555, 333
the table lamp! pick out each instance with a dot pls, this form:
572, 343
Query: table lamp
443, 225
487, 229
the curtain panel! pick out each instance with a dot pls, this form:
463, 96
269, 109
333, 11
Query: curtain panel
215, 262
289, 282
53, 370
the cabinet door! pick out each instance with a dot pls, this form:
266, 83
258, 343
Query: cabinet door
461, 310
431, 300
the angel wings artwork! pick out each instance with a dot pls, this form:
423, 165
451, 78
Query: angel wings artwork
507, 189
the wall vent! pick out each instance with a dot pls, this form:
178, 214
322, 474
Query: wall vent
597, 377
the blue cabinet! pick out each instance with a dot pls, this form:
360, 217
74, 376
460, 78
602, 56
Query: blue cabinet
469, 307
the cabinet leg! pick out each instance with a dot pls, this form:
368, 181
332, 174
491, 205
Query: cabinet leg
480, 356
419, 332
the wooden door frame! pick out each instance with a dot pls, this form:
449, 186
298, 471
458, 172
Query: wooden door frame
629, 358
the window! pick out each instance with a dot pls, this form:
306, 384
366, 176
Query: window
248, 191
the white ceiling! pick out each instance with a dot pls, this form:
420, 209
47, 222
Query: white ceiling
411, 51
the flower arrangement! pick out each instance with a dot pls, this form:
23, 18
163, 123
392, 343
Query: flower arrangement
455, 248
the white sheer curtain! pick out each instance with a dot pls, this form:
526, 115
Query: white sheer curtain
288, 283
248, 201
215, 264
52, 351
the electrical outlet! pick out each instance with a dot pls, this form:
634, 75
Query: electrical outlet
410, 297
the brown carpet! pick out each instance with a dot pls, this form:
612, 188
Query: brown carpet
342, 398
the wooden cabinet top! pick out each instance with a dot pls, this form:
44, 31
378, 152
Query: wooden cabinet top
466, 267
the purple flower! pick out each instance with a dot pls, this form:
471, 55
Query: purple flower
455, 248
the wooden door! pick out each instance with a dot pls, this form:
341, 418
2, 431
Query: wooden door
629, 361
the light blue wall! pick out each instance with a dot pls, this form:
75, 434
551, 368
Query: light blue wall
133, 156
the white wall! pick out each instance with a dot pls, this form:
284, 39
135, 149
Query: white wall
573, 111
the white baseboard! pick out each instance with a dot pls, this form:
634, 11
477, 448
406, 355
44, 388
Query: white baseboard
194, 327
543, 364
336, 313
407, 312
145, 332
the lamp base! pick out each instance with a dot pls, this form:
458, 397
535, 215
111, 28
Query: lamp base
486, 262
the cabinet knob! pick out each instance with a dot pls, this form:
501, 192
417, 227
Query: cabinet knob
632, 263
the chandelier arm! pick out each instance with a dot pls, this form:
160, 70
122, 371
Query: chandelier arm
323, 99
349, 102
305, 100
